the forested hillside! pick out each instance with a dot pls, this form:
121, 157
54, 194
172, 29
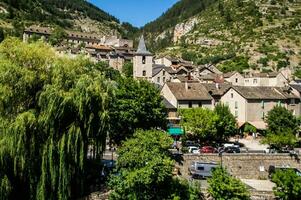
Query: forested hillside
234, 34
70, 14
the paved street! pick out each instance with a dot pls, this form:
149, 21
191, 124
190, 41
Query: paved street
252, 144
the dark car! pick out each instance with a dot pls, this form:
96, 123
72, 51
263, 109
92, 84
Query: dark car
208, 149
232, 149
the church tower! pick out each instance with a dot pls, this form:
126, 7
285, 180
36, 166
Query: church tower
142, 62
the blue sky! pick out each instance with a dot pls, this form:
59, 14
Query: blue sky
137, 12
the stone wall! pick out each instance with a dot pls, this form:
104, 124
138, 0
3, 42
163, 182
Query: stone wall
246, 166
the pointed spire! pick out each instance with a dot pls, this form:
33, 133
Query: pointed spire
142, 48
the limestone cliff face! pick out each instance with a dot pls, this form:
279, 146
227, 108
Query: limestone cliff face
184, 28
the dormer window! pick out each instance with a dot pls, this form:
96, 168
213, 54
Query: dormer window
143, 59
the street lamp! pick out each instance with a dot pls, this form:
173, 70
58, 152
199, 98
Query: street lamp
220, 154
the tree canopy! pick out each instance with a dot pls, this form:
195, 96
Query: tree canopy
288, 184
51, 109
145, 170
137, 105
222, 186
208, 125
282, 128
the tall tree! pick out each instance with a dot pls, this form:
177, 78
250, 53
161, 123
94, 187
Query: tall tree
288, 184
137, 105
223, 186
282, 128
52, 110
200, 122
226, 124
145, 170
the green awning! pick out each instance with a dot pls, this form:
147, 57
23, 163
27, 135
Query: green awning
175, 131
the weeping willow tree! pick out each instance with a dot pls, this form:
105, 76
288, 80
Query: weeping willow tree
53, 110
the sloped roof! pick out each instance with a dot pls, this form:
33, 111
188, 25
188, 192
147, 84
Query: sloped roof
194, 91
263, 75
259, 92
217, 90
167, 103
296, 87
142, 48
228, 74
158, 68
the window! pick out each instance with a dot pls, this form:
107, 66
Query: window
232, 95
247, 81
163, 73
143, 59
293, 101
163, 79
158, 79
190, 104
200, 104
236, 80
262, 104
263, 115
236, 105
201, 168
144, 73
255, 81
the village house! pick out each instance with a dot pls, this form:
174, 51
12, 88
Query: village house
251, 104
234, 77
271, 79
187, 95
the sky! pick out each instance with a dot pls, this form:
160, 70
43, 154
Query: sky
136, 12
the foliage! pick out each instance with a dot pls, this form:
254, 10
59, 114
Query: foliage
57, 36
237, 64
226, 124
51, 109
145, 170
127, 69
222, 186
279, 118
137, 105
200, 122
288, 184
298, 73
207, 125
282, 127
250, 129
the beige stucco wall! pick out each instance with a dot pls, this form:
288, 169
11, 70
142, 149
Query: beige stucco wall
240, 111
165, 92
236, 79
138, 67
163, 61
255, 109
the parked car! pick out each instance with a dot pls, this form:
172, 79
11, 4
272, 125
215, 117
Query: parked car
231, 145
272, 170
208, 149
189, 143
232, 149
193, 149
199, 170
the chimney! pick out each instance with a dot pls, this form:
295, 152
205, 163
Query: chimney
217, 85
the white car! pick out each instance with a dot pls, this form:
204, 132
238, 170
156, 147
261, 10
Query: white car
193, 149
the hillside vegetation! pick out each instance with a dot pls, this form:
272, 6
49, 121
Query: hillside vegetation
234, 34
77, 15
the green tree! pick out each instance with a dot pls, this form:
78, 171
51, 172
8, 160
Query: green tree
127, 69
137, 105
226, 124
57, 36
282, 127
200, 122
145, 170
288, 184
52, 109
222, 186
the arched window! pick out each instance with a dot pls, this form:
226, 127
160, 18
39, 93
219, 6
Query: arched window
144, 73
143, 59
